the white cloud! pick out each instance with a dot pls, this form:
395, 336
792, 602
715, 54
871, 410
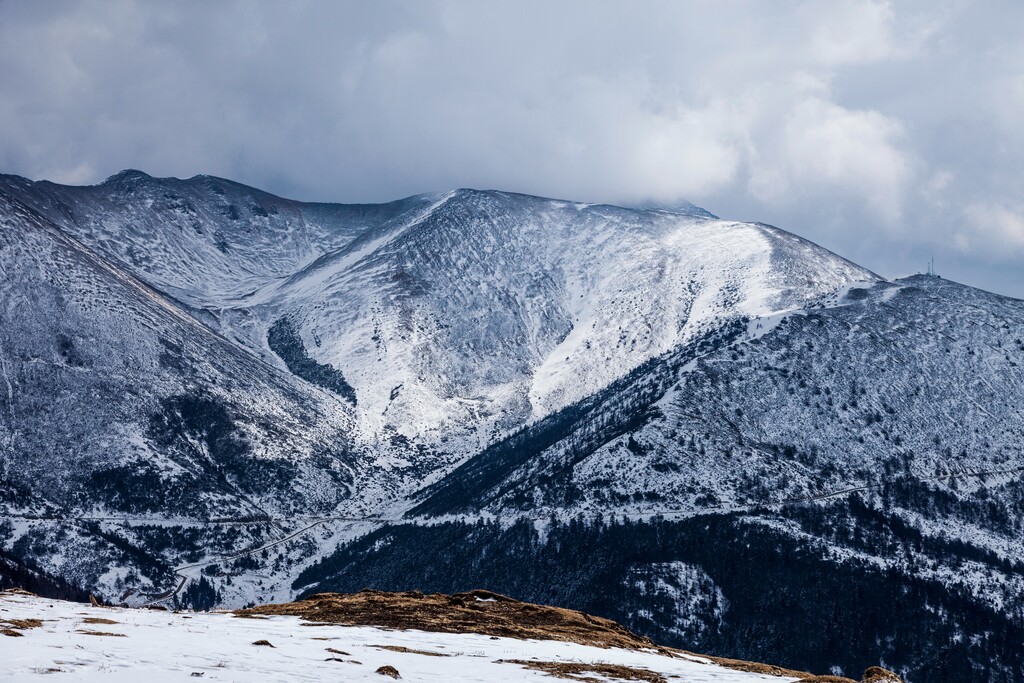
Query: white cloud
851, 31
994, 229
683, 154
855, 151
80, 174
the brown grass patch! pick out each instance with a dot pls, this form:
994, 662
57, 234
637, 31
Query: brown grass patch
14, 627
752, 667
388, 670
263, 643
473, 612
21, 624
409, 650
876, 674
98, 620
334, 651
576, 671
86, 632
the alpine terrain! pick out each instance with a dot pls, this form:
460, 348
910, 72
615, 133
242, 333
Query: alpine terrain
719, 434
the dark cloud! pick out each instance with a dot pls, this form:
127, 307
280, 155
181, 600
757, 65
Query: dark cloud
888, 132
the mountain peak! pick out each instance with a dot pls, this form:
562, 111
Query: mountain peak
682, 207
128, 175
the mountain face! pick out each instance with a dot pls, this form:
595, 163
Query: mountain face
853, 392
718, 433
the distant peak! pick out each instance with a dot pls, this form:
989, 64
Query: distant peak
681, 207
127, 175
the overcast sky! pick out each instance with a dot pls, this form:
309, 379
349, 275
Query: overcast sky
888, 132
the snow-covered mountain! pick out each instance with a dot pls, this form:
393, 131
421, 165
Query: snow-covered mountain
454, 318
217, 396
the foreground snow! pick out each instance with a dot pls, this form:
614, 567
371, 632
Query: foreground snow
166, 646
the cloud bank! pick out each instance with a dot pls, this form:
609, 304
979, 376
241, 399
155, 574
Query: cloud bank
888, 132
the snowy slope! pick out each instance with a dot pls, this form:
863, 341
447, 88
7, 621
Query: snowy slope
203, 240
894, 386
163, 646
101, 371
116, 403
490, 309
879, 429
903, 379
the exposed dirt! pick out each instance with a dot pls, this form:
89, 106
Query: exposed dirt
85, 632
574, 671
98, 620
388, 670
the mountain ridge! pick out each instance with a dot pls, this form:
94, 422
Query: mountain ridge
247, 315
